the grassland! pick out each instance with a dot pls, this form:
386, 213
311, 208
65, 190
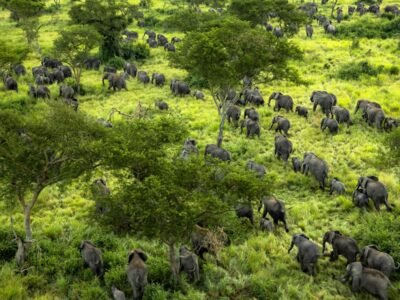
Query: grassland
255, 265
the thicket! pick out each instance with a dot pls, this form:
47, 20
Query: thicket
355, 70
370, 27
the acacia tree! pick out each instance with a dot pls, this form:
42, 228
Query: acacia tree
223, 53
46, 146
73, 46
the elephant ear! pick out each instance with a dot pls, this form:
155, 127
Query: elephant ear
338, 232
82, 245
130, 257
142, 254
304, 236
374, 178
374, 247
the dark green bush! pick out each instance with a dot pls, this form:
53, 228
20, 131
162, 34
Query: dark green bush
370, 28
116, 62
151, 21
353, 71
139, 51
7, 246
196, 82
394, 70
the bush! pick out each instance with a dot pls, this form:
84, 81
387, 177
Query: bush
116, 62
139, 51
7, 246
196, 82
370, 27
354, 71
394, 70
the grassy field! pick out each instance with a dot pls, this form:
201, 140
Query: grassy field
256, 265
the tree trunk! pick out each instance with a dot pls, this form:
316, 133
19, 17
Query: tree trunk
221, 128
27, 223
173, 262
77, 73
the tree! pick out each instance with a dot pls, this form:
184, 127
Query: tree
223, 53
48, 145
11, 53
108, 17
73, 46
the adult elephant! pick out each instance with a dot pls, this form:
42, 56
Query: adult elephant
162, 39
19, 69
10, 83
253, 96
308, 253
188, 263
233, 115
169, 47
143, 77
309, 30
252, 128
179, 88
115, 81
137, 272
92, 257
276, 208
317, 167
374, 116
158, 79
342, 115
374, 190
331, 124
216, 152
341, 245
66, 92
283, 124
394, 9
151, 34
281, 101
362, 105
371, 257
257, 168
283, 147
278, 32
251, 113
325, 100
389, 123
131, 69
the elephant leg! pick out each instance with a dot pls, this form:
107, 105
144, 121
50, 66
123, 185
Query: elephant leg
264, 213
386, 202
331, 190
285, 224
382, 294
334, 256
377, 205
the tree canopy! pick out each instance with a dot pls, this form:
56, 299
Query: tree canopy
11, 53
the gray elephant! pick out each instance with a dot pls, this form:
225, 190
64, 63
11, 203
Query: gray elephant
109, 69
374, 9
331, 124
40, 71
325, 100
281, 101
189, 264
100, 192
152, 43
233, 115
309, 30
92, 257
179, 88
362, 104
198, 95
317, 167
158, 79
337, 186
278, 32
66, 92
307, 255
361, 8
143, 77
339, 14
50, 62
130, 68
251, 113
161, 105
151, 34
245, 211
259, 169
66, 71
269, 27
371, 257
215, 152
137, 272
331, 29
56, 76
41, 91
74, 103
252, 96
283, 147
19, 69
41, 80
162, 39
117, 294
389, 123
375, 190
115, 82
189, 147
394, 9
350, 10
266, 225
374, 116
360, 199
175, 40
169, 47
92, 63
342, 115
283, 124
369, 280
297, 163
341, 245
252, 128
302, 111
276, 209
10, 83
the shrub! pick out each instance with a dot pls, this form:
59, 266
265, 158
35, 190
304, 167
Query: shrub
7, 246
354, 71
196, 82
370, 28
139, 51
116, 62
394, 70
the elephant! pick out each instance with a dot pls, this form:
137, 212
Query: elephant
360, 199
372, 258
57, 76
394, 9
115, 81
137, 272
66, 71
66, 92
198, 95
297, 163
189, 264
19, 69
151, 34
308, 253
42, 80
158, 79
278, 32
331, 29
131, 69
283, 124
105, 123
389, 123
179, 88
266, 225
281, 101
162, 39
10, 83
152, 43
233, 114
169, 47
362, 104
283, 147
92, 63
131, 35
269, 27
50, 62
175, 40
361, 8
259, 169
92, 257
302, 111
321, 19
217, 152
42, 91
100, 188
252, 128
40, 71
276, 209
374, 116
110, 69
369, 280
245, 211
339, 14
143, 77
189, 147
309, 31
375, 9
117, 294
375, 190
251, 113
325, 100
337, 186
331, 124
350, 10
317, 167
247, 82
161, 105
342, 115
341, 245
252, 96
73, 102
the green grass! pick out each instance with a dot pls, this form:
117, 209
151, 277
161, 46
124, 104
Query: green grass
256, 265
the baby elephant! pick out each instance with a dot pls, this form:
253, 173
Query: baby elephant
137, 272
92, 257
259, 169
188, 263
117, 294
369, 280
331, 124
161, 105
297, 163
337, 186
245, 211
308, 253
371, 257
342, 245
266, 225
302, 111
283, 124
275, 208
360, 199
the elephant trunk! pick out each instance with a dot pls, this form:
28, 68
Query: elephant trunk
323, 245
291, 247
260, 206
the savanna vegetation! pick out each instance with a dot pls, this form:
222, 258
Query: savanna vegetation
105, 164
